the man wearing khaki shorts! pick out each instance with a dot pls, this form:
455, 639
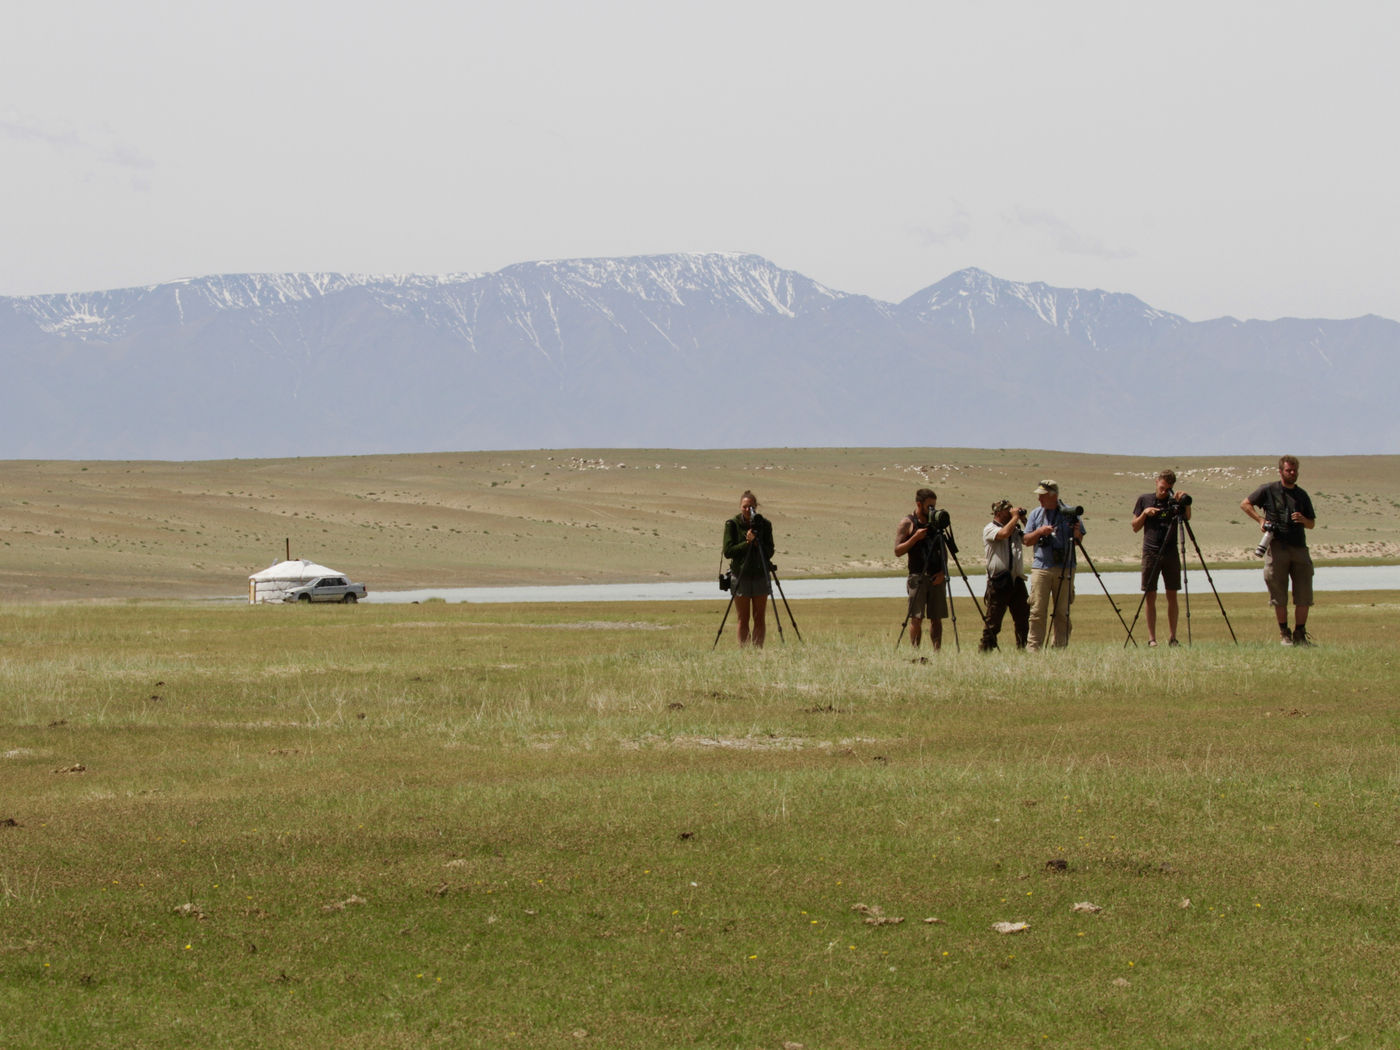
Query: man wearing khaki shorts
917, 537
1285, 513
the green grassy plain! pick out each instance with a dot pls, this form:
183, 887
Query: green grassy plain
107, 529
572, 826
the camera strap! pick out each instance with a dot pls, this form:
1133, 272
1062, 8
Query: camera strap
1062, 543
1283, 506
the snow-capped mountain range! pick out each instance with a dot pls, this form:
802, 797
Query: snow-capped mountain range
684, 350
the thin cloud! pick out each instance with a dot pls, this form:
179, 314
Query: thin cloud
21, 132
116, 153
1064, 237
957, 227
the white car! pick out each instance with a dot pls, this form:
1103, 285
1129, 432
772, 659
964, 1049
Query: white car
327, 589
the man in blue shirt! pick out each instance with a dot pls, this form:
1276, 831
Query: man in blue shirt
1053, 533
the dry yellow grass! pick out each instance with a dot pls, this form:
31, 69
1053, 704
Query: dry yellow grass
108, 529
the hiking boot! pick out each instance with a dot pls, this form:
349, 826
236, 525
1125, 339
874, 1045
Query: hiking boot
1300, 637
1285, 637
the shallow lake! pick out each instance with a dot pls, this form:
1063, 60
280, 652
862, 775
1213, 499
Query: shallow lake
1227, 581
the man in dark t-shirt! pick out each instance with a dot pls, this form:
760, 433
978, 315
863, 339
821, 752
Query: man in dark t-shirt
1285, 513
1154, 515
918, 536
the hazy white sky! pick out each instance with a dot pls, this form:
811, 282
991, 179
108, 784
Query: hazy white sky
1210, 157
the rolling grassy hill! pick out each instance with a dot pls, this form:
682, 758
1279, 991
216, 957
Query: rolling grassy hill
110, 529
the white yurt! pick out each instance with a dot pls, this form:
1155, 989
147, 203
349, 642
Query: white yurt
273, 583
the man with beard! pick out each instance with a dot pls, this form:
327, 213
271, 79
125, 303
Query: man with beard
918, 537
1285, 513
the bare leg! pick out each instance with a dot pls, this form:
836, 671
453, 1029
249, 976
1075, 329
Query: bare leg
741, 607
1152, 615
760, 623
1171, 613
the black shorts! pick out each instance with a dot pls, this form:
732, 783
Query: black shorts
751, 587
1169, 571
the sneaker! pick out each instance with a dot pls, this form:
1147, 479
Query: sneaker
1285, 638
1300, 637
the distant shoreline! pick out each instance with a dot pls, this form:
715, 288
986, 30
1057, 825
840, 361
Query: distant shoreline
119, 530
1227, 581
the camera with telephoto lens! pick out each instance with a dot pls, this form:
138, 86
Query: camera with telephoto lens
944, 524
1172, 506
1269, 529
1071, 512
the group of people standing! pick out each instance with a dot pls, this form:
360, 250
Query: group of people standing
1053, 530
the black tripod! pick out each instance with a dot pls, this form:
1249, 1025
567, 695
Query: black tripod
1071, 517
770, 572
936, 544
1170, 542
1090, 562
952, 547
